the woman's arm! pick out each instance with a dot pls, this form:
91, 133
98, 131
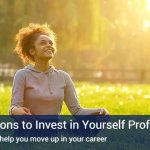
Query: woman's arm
17, 100
71, 100
14, 110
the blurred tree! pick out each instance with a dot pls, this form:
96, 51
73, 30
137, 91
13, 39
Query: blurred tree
90, 34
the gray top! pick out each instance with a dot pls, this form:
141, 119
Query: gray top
44, 92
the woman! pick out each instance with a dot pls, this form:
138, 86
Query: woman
39, 88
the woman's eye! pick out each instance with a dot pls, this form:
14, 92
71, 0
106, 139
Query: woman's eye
50, 42
42, 43
46, 42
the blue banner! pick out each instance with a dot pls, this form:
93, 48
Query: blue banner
75, 132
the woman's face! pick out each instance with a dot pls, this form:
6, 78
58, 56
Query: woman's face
43, 48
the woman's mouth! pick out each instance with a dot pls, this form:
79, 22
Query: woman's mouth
50, 50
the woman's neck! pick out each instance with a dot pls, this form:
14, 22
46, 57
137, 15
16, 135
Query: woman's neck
41, 65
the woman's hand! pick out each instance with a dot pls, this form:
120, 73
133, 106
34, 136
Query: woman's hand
20, 111
102, 111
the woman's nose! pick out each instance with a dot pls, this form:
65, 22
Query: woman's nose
49, 45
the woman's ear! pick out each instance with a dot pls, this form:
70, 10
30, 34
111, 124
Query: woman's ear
32, 52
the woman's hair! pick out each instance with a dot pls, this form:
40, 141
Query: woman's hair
26, 37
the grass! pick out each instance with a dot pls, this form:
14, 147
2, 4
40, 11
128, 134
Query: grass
119, 99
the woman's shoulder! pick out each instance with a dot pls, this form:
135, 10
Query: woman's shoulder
65, 76
21, 72
24, 71
62, 72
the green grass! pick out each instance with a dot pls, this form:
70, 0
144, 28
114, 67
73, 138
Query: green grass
117, 98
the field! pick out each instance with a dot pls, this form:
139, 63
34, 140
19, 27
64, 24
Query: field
119, 99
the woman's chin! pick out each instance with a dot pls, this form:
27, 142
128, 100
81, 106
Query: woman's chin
49, 56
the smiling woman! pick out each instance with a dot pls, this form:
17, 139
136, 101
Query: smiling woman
32, 37
44, 48
39, 88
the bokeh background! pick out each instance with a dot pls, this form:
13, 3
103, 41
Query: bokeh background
103, 44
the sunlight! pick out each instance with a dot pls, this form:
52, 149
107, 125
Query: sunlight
147, 96
148, 5
130, 97
111, 89
146, 25
121, 103
2, 89
139, 92
97, 88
